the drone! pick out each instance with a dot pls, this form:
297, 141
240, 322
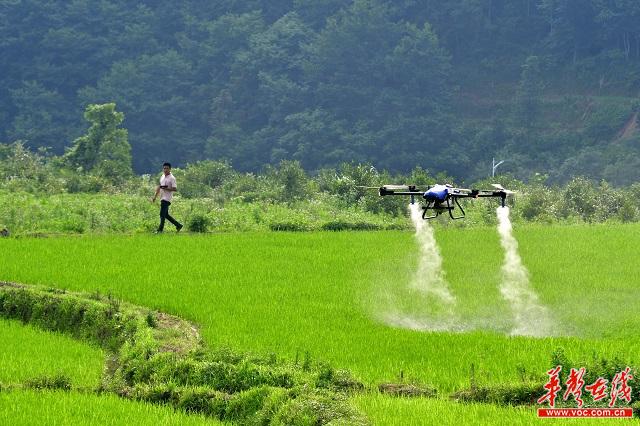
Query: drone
443, 198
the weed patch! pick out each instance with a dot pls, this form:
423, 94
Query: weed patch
521, 394
58, 381
407, 390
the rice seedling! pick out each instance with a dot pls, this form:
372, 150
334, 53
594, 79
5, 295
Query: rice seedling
74, 408
27, 353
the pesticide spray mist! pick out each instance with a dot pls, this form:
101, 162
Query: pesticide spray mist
430, 276
427, 303
530, 317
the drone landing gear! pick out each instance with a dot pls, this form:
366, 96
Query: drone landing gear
438, 208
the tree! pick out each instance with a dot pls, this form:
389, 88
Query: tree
42, 117
104, 150
386, 81
162, 102
572, 27
620, 25
19, 164
529, 92
290, 181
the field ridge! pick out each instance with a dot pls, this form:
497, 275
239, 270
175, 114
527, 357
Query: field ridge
161, 358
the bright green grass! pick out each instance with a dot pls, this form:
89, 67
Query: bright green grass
389, 411
324, 293
72, 408
27, 353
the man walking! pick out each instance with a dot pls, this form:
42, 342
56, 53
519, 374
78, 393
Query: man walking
166, 188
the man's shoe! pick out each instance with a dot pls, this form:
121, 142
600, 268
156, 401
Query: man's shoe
178, 228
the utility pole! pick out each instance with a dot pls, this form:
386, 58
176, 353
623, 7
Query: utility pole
495, 166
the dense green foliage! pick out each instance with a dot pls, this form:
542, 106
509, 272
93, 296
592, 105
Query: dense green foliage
546, 84
39, 194
105, 150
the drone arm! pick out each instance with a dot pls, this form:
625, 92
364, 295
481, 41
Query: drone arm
398, 190
482, 194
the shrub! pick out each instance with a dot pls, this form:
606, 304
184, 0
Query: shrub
330, 378
349, 183
540, 204
520, 394
580, 198
271, 405
203, 401
151, 320
158, 393
628, 212
247, 404
340, 225
288, 226
75, 226
201, 178
198, 223
290, 180
317, 407
407, 390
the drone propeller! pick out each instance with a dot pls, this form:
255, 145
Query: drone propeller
501, 188
396, 187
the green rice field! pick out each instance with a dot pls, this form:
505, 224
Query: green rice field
329, 295
27, 353
73, 408
419, 412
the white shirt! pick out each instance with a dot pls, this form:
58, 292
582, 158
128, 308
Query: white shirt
170, 181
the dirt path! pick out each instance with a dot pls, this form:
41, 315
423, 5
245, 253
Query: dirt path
629, 128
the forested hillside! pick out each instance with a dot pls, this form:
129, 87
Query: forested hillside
550, 86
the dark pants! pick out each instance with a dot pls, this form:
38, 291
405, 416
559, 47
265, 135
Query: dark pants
164, 214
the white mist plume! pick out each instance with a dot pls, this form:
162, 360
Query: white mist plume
430, 276
531, 318
427, 303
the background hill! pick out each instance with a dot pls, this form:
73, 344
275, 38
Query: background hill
550, 86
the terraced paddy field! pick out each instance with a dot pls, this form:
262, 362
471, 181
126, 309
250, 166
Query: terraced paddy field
329, 296
73, 408
28, 353
31, 358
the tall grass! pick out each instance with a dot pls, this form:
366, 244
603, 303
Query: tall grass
321, 293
